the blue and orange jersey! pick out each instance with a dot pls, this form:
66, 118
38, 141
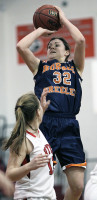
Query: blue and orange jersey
63, 83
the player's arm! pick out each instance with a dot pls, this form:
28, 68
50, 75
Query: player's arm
23, 48
79, 51
14, 169
44, 103
6, 185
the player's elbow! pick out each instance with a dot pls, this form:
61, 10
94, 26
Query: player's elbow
8, 174
18, 47
81, 40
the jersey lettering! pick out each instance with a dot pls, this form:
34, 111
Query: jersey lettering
63, 76
61, 89
57, 66
48, 150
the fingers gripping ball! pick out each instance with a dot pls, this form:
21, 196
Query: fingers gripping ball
47, 17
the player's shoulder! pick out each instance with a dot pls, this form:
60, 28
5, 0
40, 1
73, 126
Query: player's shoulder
70, 62
42, 135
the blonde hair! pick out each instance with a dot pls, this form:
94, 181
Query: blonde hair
25, 111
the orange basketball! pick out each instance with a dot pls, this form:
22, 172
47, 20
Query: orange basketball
47, 17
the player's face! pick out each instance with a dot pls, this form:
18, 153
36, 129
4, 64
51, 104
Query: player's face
56, 50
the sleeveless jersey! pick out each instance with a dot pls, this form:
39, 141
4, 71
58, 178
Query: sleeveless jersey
90, 191
39, 182
63, 83
93, 174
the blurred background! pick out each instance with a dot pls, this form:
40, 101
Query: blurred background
15, 78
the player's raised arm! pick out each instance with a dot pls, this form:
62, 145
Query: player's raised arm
23, 48
43, 101
79, 51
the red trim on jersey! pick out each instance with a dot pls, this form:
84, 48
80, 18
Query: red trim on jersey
31, 133
25, 161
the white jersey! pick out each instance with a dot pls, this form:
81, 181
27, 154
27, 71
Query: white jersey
90, 192
40, 182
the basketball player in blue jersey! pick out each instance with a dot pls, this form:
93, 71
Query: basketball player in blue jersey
63, 80
30, 163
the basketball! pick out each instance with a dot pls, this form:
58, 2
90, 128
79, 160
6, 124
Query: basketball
47, 17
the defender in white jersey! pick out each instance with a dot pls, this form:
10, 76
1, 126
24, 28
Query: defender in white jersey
41, 180
90, 192
30, 163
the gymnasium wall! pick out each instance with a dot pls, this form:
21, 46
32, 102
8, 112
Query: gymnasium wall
16, 79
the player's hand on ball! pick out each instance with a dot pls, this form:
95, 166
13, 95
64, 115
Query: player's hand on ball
61, 15
46, 32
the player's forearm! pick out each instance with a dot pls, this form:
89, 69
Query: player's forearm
2, 179
15, 174
29, 39
74, 31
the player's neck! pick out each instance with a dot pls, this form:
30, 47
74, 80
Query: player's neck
32, 127
61, 60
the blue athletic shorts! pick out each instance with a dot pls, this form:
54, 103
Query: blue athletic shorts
63, 134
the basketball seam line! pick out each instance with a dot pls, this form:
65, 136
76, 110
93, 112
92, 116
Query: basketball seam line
46, 15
